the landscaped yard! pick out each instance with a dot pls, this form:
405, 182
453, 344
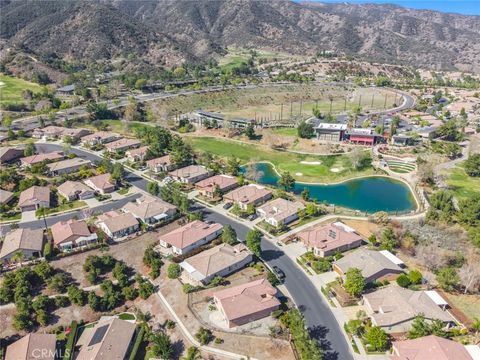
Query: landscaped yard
314, 168
66, 206
11, 89
461, 184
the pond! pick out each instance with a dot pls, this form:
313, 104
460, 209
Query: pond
368, 194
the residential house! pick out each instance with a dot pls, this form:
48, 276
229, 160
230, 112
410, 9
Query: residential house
5, 196
110, 339
363, 136
375, 265
190, 236
99, 137
101, 183
326, 240
67, 166
221, 260
48, 132
402, 140
215, 119
161, 164
245, 303
9, 154
66, 90
280, 211
394, 308
150, 209
139, 154
190, 174
433, 347
33, 346
224, 183
27, 241
34, 198
122, 145
118, 225
73, 190
251, 194
71, 234
76, 133
38, 158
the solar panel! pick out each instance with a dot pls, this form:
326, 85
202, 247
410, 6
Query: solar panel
99, 334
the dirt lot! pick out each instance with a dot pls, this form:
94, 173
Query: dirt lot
251, 346
131, 252
364, 228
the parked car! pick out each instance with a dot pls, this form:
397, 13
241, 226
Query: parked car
227, 205
279, 272
252, 217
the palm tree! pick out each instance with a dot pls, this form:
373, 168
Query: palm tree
192, 354
162, 346
18, 257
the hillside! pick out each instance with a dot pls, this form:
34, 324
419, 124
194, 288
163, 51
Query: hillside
170, 31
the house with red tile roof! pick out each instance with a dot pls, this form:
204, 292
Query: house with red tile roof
245, 303
432, 348
27, 241
38, 158
161, 164
33, 346
34, 198
9, 154
71, 234
137, 154
224, 183
99, 137
280, 211
101, 183
326, 240
122, 145
251, 194
117, 225
5, 196
190, 236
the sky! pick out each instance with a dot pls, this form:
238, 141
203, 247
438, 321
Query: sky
467, 7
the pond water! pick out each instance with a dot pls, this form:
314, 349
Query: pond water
369, 194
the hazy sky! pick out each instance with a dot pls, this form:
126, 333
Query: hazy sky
468, 7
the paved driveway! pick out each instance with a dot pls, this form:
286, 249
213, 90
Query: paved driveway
28, 216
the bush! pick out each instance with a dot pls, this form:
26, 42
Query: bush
403, 281
377, 338
415, 277
61, 301
204, 336
173, 271
188, 288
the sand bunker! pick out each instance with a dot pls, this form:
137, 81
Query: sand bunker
2, 83
311, 162
299, 174
335, 170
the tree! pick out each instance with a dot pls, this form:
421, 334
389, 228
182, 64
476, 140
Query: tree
58, 282
173, 271
415, 277
117, 173
192, 354
153, 188
449, 131
120, 273
204, 336
448, 279
388, 240
162, 346
43, 270
233, 166
250, 131
377, 338
469, 273
94, 301
354, 282
305, 194
29, 149
76, 295
472, 165
305, 130
229, 235
359, 158
18, 257
145, 288
403, 281
253, 242
469, 213
287, 181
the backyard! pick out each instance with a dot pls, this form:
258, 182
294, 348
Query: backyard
11, 89
462, 185
307, 168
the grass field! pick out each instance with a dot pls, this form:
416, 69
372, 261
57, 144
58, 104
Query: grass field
283, 161
467, 303
461, 184
11, 89
235, 56
285, 131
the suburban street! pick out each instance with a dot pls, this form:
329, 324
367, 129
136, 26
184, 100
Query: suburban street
319, 318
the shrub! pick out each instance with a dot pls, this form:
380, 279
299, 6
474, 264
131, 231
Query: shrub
204, 336
403, 281
173, 271
377, 338
415, 277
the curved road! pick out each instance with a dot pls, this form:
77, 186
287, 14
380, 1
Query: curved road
319, 318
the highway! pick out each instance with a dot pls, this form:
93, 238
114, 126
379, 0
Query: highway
320, 319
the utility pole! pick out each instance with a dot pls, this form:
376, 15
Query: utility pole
281, 112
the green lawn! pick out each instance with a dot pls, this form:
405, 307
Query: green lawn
285, 131
283, 161
119, 126
66, 206
11, 89
126, 316
462, 185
